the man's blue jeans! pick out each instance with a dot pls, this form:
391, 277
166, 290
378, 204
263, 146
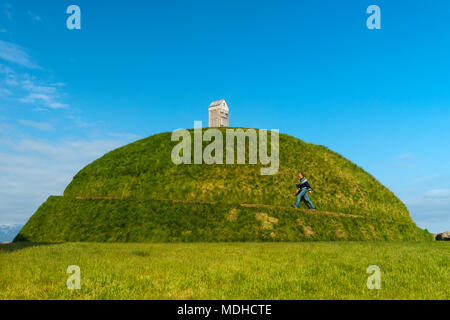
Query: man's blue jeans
304, 194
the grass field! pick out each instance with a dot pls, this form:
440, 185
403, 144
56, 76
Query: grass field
304, 270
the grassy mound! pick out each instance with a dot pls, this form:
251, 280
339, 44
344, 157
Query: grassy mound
63, 219
136, 193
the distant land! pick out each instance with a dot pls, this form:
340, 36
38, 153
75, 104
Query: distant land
8, 232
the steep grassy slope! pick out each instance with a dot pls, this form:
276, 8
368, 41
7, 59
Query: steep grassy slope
128, 220
136, 193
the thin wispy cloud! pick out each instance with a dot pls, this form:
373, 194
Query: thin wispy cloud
33, 97
16, 54
430, 208
443, 194
32, 87
51, 105
43, 126
34, 169
58, 105
28, 90
43, 100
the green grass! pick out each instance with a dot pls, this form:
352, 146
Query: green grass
309, 270
62, 219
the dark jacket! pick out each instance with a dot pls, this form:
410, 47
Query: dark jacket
304, 184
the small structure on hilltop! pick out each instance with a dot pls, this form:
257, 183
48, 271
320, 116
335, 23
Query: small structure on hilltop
218, 113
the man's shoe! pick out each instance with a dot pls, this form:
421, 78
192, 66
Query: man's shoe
293, 206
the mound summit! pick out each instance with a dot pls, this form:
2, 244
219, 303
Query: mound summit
136, 193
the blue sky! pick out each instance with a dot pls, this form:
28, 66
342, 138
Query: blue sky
309, 68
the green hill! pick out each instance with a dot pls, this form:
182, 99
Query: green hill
136, 193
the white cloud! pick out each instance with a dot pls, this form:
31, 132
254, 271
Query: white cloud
33, 97
40, 93
34, 169
45, 96
16, 54
31, 169
442, 194
431, 209
43, 126
57, 105
44, 100
31, 86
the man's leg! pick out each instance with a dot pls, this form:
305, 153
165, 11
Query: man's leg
300, 196
306, 197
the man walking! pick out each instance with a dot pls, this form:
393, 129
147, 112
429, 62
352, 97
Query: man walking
302, 192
